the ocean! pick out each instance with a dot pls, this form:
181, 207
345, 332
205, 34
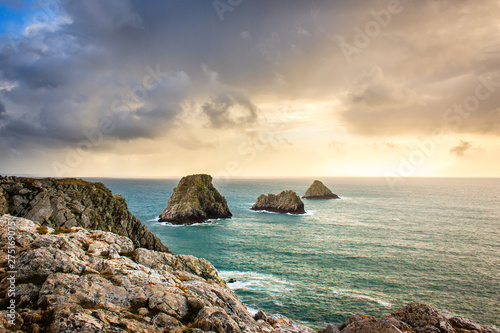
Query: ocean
426, 240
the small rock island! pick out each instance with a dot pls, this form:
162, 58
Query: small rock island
195, 200
318, 191
285, 202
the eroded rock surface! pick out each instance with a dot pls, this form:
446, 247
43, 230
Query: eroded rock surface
96, 281
413, 318
285, 202
67, 203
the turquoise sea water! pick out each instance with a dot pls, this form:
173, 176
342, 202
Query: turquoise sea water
433, 241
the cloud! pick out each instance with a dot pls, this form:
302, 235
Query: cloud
3, 112
462, 148
61, 78
230, 109
337, 146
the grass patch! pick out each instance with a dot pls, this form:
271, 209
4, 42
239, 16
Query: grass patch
62, 230
42, 230
184, 278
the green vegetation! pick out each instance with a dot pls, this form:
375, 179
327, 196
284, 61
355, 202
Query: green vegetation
42, 230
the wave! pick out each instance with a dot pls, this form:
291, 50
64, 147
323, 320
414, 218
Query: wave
200, 224
358, 295
257, 282
309, 212
156, 219
252, 311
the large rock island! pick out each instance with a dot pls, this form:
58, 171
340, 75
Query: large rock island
195, 200
319, 191
285, 202
66, 203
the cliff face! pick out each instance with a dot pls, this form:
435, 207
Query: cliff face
285, 202
318, 190
66, 203
195, 199
96, 281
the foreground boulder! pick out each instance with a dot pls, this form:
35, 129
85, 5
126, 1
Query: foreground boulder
414, 318
194, 200
285, 202
319, 191
96, 281
66, 203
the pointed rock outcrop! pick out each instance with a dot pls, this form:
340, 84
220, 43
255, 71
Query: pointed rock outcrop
319, 191
195, 200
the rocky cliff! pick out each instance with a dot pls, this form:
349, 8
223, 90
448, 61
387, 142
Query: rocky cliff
194, 200
413, 318
66, 203
319, 191
285, 202
96, 281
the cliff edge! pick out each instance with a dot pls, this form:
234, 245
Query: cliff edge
66, 203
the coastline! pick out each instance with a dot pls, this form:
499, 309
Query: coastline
62, 235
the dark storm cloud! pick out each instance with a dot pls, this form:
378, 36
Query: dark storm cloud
64, 75
102, 48
3, 112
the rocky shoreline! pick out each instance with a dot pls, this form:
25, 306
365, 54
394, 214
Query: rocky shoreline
73, 278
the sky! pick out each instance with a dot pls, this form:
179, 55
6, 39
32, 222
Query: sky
240, 88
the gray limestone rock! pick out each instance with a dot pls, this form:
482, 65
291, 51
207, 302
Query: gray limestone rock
66, 203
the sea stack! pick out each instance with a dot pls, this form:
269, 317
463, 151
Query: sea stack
195, 200
319, 191
285, 202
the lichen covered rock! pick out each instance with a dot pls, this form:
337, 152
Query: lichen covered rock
415, 318
66, 203
285, 202
97, 281
318, 190
194, 200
